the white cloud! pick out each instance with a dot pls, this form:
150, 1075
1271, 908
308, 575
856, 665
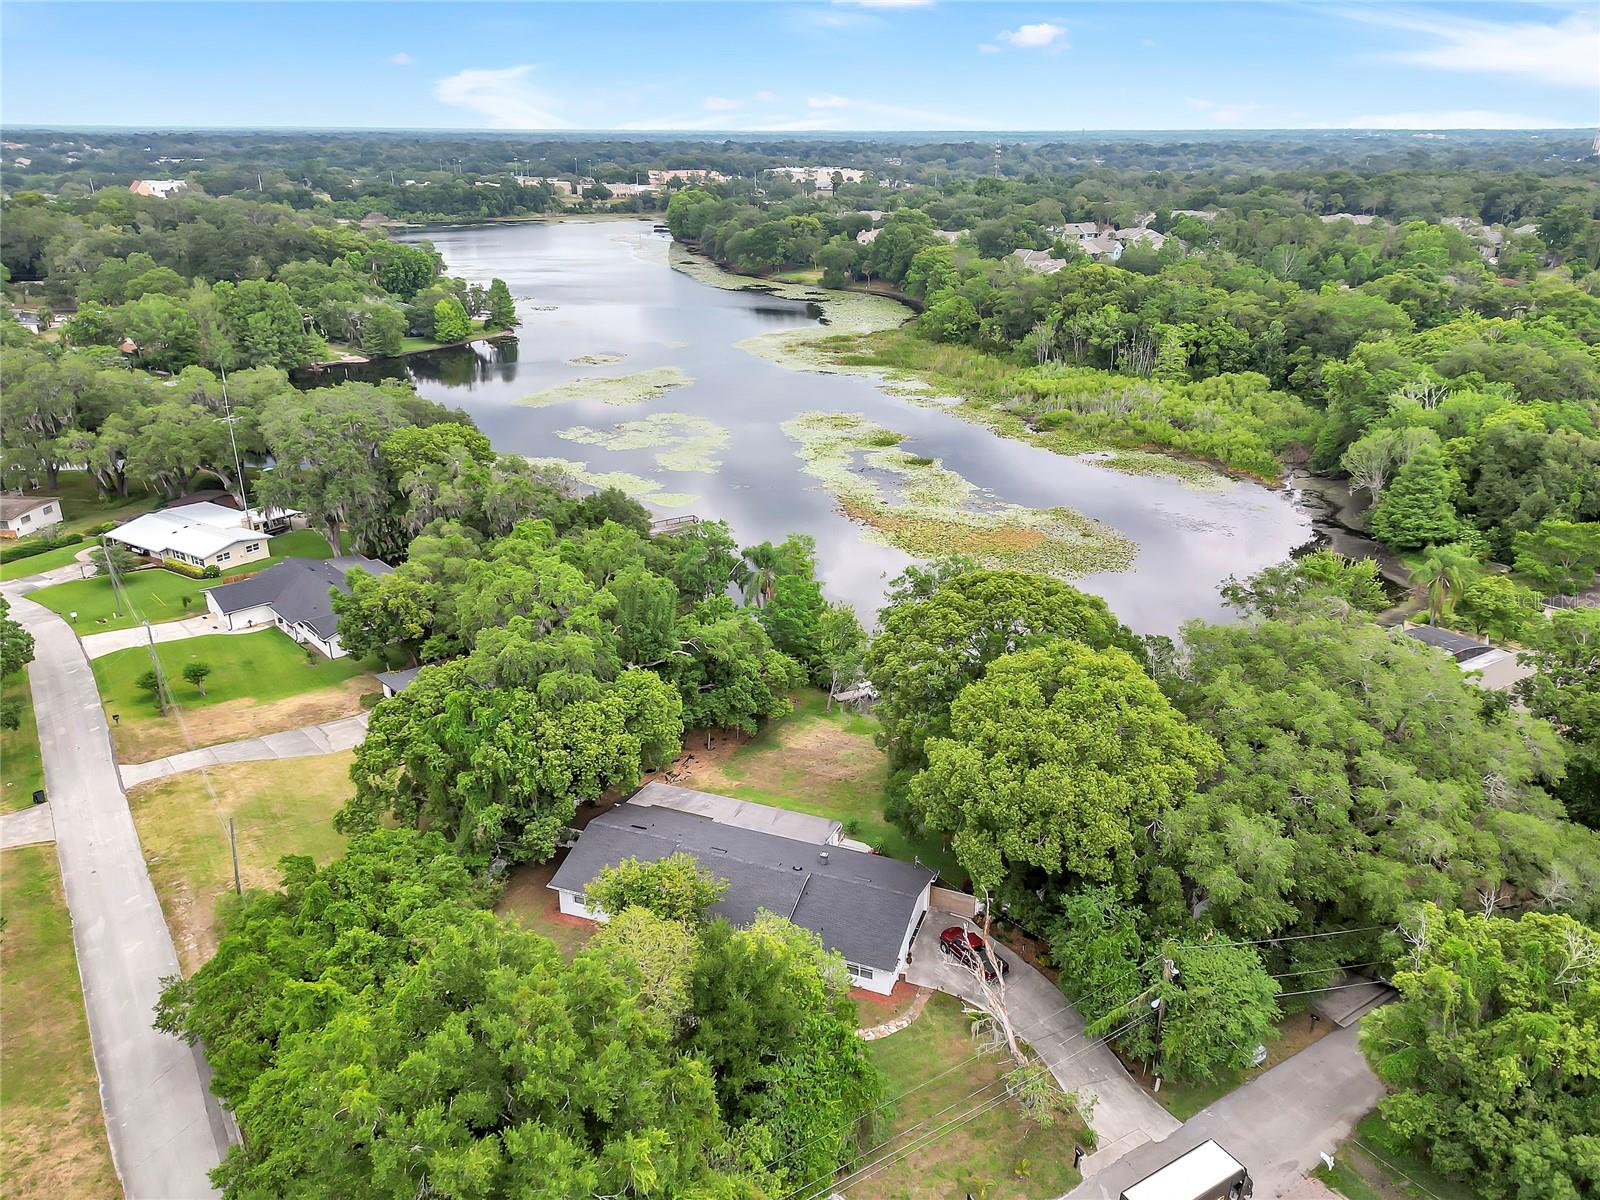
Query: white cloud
722, 103
844, 113
829, 102
764, 97
1564, 52
401, 59
1470, 118
887, 3
1041, 35
1223, 112
503, 96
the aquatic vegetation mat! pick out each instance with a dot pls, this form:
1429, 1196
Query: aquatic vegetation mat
922, 507
637, 388
645, 490
682, 442
603, 359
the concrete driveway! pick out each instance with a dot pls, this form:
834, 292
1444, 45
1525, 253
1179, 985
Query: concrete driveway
166, 1129
98, 645
304, 742
1276, 1124
1124, 1116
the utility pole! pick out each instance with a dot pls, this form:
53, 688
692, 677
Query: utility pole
228, 419
1168, 973
233, 846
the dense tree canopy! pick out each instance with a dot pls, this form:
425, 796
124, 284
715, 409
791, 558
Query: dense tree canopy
1490, 1052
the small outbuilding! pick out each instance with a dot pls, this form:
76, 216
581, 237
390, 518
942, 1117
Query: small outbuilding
865, 906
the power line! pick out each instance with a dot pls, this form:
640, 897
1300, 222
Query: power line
867, 1170
1289, 937
912, 1129
1023, 1031
1336, 988
1385, 1162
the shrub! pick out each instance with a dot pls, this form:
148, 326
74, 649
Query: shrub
28, 547
189, 570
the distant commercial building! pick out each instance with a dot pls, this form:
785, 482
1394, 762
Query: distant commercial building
163, 189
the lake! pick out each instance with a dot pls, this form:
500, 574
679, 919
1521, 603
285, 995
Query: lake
602, 299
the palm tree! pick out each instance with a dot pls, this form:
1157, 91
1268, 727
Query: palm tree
761, 573
1442, 575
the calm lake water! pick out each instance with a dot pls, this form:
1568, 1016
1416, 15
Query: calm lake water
605, 288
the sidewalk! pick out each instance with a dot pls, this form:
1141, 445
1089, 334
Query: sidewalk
304, 742
27, 827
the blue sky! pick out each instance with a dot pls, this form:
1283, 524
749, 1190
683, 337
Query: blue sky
827, 65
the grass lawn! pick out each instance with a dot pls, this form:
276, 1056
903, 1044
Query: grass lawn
52, 1133
38, 564
824, 763
528, 902
154, 593
801, 275
259, 682
997, 1155
298, 543
279, 807
1370, 1167
21, 770
83, 507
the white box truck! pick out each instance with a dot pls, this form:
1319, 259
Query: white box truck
1208, 1172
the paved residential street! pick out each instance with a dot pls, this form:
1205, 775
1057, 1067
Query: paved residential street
1124, 1117
1276, 1124
166, 1129
304, 742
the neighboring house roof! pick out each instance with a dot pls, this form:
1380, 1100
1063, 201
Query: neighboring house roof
1040, 260
1199, 214
12, 507
1458, 645
746, 814
868, 236
395, 681
197, 529
297, 589
1353, 218
1106, 245
860, 904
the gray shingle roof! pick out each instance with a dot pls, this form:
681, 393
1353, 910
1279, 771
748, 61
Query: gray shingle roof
398, 681
297, 589
862, 905
1456, 644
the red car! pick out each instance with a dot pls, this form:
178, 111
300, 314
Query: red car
969, 949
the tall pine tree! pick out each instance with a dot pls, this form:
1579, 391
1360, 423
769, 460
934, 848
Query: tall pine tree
1416, 511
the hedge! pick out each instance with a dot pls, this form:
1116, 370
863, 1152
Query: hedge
27, 548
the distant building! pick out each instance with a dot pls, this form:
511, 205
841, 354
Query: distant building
686, 175
867, 236
23, 162
1353, 218
1104, 246
296, 597
375, 220
22, 515
1140, 236
395, 682
163, 189
1199, 214
950, 235
1040, 261
1489, 666
820, 177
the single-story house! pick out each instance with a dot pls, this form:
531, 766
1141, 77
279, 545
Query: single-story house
865, 906
1491, 667
22, 515
295, 596
202, 535
395, 682
1039, 260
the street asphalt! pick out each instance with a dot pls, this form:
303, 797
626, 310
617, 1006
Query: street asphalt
1276, 1125
166, 1129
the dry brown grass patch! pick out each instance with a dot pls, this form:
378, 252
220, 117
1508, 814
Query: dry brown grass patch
145, 738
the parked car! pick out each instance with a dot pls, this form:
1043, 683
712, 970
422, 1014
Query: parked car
968, 948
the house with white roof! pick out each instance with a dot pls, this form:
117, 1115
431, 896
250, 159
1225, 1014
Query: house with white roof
164, 189
202, 534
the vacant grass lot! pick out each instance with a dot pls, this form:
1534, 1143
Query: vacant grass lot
21, 770
996, 1155
52, 1133
1369, 1166
153, 593
259, 683
824, 763
279, 807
